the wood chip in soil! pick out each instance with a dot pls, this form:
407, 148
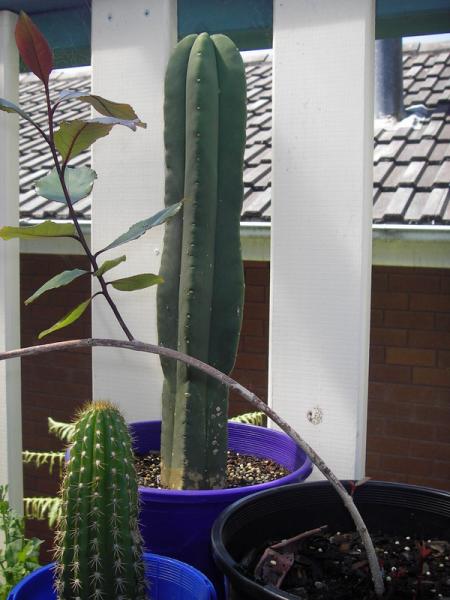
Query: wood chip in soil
242, 470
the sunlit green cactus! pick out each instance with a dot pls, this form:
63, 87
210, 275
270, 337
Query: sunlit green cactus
99, 548
200, 302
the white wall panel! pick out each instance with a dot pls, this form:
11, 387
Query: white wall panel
321, 224
131, 43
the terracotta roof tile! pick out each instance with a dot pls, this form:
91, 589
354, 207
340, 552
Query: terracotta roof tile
415, 151
435, 204
388, 151
257, 204
426, 182
446, 212
441, 151
251, 155
398, 204
415, 209
444, 134
442, 178
382, 201
380, 172
412, 173
432, 129
253, 175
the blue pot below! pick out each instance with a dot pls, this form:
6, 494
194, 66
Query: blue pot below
168, 578
178, 523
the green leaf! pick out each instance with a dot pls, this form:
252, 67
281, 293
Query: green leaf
250, 418
136, 282
105, 107
43, 507
46, 229
109, 264
141, 227
43, 458
64, 431
10, 107
68, 319
79, 182
75, 136
57, 281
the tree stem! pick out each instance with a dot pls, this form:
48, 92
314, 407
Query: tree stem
81, 237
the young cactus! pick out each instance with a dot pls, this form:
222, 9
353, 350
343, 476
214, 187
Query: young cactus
99, 549
200, 302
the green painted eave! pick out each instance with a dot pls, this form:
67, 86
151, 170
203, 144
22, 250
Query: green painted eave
395, 18
69, 34
67, 23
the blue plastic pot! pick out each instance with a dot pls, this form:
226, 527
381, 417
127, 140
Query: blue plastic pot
178, 523
168, 579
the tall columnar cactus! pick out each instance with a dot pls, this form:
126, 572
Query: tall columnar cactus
99, 549
200, 302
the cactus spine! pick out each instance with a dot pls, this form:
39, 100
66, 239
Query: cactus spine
200, 303
99, 549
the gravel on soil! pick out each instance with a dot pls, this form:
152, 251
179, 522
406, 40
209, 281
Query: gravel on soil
242, 470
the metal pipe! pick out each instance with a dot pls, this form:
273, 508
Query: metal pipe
388, 78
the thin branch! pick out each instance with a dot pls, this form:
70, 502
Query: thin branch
247, 395
81, 238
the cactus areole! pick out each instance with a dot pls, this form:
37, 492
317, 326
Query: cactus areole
99, 548
200, 302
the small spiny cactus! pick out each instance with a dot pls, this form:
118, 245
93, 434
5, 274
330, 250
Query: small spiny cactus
99, 548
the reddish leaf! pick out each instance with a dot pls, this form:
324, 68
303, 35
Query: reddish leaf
424, 551
33, 48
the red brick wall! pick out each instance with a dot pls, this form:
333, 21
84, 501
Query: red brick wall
409, 382
54, 384
408, 436
251, 366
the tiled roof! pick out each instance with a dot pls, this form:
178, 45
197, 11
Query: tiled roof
411, 158
34, 156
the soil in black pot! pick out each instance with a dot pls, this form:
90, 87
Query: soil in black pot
325, 566
242, 470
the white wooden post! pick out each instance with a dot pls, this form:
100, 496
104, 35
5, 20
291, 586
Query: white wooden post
10, 398
131, 43
321, 224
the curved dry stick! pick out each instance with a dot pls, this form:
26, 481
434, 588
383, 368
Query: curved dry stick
247, 395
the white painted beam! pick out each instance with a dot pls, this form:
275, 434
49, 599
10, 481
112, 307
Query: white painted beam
131, 43
10, 392
321, 223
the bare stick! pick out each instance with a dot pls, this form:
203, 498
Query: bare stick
247, 395
300, 536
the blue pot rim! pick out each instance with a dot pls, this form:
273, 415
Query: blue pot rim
148, 557
196, 496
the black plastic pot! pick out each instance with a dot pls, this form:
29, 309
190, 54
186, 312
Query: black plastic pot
397, 509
